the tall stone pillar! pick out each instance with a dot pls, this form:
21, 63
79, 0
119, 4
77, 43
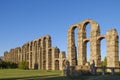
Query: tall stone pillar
30, 55
94, 44
43, 47
48, 54
55, 56
39, 54
82, 42
72, 55
81, 45
33, 55
112, 48
61, 60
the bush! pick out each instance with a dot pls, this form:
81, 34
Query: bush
7, 65
23, 65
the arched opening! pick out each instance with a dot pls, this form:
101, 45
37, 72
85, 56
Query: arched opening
31, 60
87, 33
44, 48
39, 54
88, 51
35, 66
88, 28
44, 65
50, 59
103, 51
56, 65
63, 63
76, 44
35, 51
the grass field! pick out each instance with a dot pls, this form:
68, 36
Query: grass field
16, 74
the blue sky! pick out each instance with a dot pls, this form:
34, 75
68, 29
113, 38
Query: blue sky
24, 20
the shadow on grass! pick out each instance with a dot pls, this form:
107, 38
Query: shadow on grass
46, 77
57, 77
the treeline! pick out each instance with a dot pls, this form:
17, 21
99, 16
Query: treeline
24, 65
8, 65
11, 65
104, 62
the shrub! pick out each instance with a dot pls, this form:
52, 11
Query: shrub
23, 65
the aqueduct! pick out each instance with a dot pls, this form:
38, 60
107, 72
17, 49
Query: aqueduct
39, 53
111, 37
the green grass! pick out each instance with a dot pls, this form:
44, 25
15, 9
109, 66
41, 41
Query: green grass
17, 74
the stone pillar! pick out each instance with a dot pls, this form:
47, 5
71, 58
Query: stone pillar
43, 46
19, 54
48, 54
55, 56
112, 48
81, 46
33, 55
94, 45
72, 55
6, 58
30, 55
39, 54
82, 41
61, 60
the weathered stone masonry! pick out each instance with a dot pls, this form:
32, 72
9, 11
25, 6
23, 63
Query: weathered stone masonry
111, 37
39, 54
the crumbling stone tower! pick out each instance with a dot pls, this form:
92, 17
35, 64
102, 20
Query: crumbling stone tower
94, 39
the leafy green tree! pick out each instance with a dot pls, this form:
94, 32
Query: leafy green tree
104, 62
119, 63
23, 65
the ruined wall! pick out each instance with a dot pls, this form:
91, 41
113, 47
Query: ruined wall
112, 48
95, 38
38, 54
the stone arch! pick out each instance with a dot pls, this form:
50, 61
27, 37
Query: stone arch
56, 64
28, 47
43, 52
44, 65
63, 62
94, 32
99, 39
72, 55
49, 59
30, 62
31, 55
39, 43
31, 46
39, 54
35, 54
112, 48
85, 42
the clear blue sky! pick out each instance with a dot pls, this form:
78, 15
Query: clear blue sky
24, 20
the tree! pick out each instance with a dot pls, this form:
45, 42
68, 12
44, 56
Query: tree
119, 63
23, 65
104, 63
